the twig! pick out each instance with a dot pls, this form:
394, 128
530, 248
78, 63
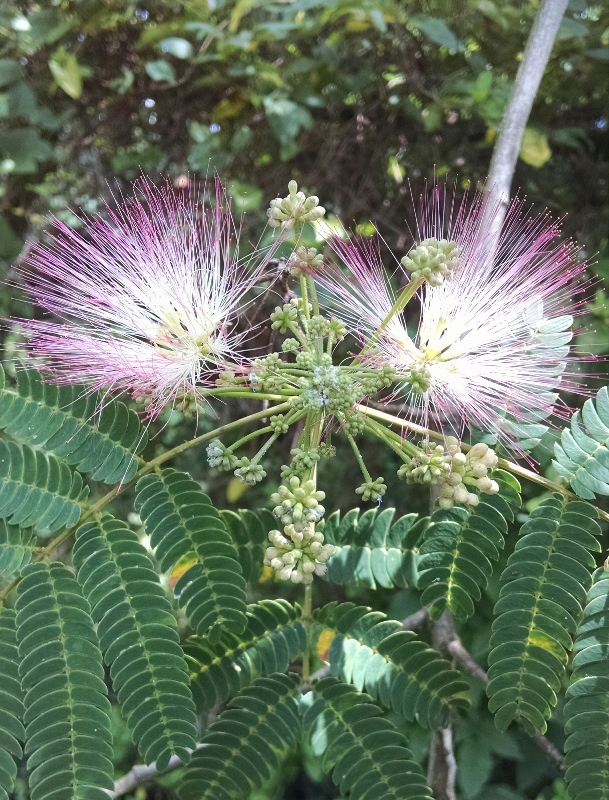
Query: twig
442, 768
460, 654
505, 154
414, 622
454, 647
141, 774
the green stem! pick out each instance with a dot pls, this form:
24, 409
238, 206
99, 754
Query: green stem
359, 458
313, 291
307, 618
260, 432
280, 395
150, 466
510, 466
305, 297
400, 304
393, 439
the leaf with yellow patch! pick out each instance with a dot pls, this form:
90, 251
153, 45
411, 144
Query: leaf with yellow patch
182, 565
534, 149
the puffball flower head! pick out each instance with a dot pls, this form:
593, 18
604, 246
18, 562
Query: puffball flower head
148, 295
493, 333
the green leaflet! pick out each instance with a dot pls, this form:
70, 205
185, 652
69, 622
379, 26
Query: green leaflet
372, 551
455, 560
544, 588
16, 548
365, 753
582, 457
136, 629
12, 732
249, 530
273, 638
100, 436
68, 737
181, 520
247, 743
586, 711
393, 666
38, 490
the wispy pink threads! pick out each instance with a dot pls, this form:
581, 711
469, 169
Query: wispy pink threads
148, 296
493, 339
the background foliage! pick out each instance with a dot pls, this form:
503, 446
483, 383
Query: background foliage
353, 99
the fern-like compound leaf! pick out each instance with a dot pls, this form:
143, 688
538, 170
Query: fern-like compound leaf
540, 603
582, 457
456, 558
182, 521
249, 530
137, 634
371, 551
38, 490
394, 667
273, 638
100, 436
68, 737
247, 743
12, 732
586, 711
16, 548
364, 752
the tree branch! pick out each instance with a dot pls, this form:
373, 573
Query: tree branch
141, 774
454, 647
534, 61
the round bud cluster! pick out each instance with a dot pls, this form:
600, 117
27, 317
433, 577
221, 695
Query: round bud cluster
290, 346
433, 260
372, 490
226, 379
297, 502
303, 260
355, 423
304, 360
428, 467
219, 456
249, 473
420, 378
304, 459
318, 326
284, 318
283, 212
298, 553
278, 424
326, 450
469, 469
264, 373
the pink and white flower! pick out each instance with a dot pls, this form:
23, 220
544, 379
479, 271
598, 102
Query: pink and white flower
492, 339
148, 295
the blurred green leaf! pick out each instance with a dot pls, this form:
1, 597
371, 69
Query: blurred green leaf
10, 243
67, 73
161, 71
438, 31
180, 48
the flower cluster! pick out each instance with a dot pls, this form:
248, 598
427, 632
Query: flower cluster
298, 501
298, 553
483, 354
285, 212
433, 260
151, 294
470, 469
